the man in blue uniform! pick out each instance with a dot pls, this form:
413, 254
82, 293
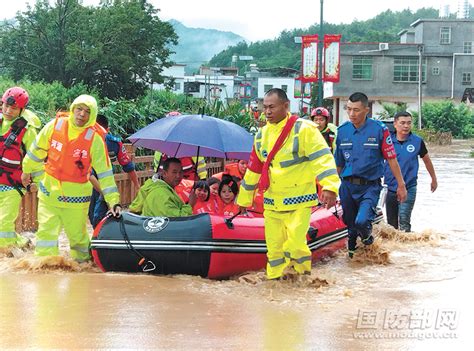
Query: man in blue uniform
408, 147
98, 207
362, 144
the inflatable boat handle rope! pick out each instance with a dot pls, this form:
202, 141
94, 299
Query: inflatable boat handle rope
228, 221
145, 264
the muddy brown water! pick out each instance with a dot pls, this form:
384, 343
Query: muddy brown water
406, 292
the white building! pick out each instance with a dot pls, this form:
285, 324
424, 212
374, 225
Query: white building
175, 72
224, 84
285, 83
210, 87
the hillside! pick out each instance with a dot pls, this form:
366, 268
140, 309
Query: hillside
283, 51
198, 45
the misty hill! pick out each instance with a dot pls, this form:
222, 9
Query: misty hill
198, 45
283, 51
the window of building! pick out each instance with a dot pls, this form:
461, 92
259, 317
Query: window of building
177, 86
435, 71
467, 47
445, 35
466, 78
405, 69
284, 88
267, 87
362, 68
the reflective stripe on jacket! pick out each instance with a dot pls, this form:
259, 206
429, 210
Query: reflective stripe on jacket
71, 194
303, 157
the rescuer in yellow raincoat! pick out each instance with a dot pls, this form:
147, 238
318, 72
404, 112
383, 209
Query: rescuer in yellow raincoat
17, 134
291, 192
71, 146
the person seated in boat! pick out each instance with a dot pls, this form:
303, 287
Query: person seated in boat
236, 169
214, 186
228, 190
158, 196
204, 202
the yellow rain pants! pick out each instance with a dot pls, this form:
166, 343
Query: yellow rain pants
9, 207
51, 220
285, 234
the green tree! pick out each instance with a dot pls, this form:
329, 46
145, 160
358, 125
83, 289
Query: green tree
283, 51
445, 116
119, 47
390, 109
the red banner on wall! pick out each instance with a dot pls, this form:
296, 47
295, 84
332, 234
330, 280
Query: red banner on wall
332, 58
309, 58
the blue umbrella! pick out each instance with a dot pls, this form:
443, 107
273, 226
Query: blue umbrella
195, 135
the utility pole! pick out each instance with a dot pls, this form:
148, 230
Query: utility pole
420, 76
320, 57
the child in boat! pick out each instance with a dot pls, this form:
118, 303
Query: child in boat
214, 186
228, 190
203, 193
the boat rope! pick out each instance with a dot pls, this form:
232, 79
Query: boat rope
146, 264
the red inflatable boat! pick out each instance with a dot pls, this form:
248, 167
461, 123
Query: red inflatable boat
206, 245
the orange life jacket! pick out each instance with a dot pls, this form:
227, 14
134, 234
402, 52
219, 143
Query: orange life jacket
227, 210
12, 152
203, 207
70, 160
184, 188
233, 170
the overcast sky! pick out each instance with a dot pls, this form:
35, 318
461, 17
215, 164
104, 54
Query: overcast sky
259, 19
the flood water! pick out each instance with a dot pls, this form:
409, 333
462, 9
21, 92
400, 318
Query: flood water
406, 292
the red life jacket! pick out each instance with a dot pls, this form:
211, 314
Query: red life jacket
12, 152
184, 189
329, 136
70, 160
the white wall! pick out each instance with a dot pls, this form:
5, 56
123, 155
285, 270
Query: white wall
278, 82
226, 83
176, 72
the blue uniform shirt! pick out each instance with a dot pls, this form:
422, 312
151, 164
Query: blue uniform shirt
407, 157
360, 152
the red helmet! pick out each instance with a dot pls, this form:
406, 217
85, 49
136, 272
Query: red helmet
320, 111
173, 114
16, 97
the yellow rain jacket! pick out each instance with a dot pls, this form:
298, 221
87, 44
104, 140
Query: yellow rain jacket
303, 157
70, 194
32, 118
10, 199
